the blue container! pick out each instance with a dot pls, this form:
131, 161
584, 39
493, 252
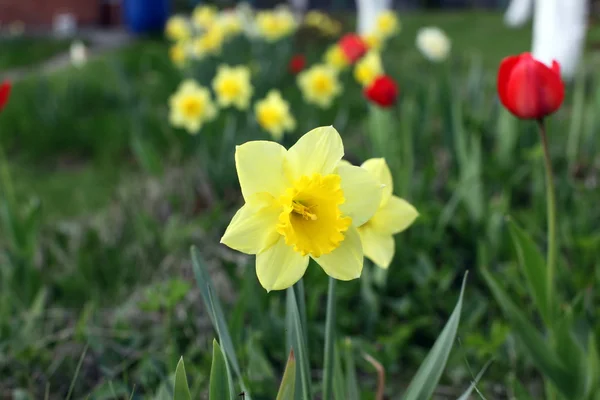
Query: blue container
145, 16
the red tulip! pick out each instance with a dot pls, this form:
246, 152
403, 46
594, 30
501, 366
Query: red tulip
353, 47
383, 91
529, 88
297, 63
4, 93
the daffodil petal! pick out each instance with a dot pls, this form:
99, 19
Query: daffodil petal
381, 172
318, 151
279, 267
346, 261
378, 247
394, 217
260, 168
253, 228
362, 193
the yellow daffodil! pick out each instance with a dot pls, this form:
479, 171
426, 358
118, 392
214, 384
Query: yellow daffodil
208, 43
301, 204
387, 24
315, 18
393, 216
273, 114
191, 107
374, 41
335, 58
178, 53
368, 68
322, 22
275, 25
204, 16
433, 43
319, 85
230, 23
232, 86
177, 28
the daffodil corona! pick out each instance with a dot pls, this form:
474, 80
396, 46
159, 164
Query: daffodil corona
301, 203
273, 115
393, 216
232, 86
319, 85
191, 107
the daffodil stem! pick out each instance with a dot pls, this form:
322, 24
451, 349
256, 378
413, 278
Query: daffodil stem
551, 213
329, 341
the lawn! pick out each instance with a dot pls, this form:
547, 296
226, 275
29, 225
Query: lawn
99, 296
23, 51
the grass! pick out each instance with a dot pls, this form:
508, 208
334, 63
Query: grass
25, 51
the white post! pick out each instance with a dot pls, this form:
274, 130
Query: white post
518, 13
299, 7
367, 12
559, 28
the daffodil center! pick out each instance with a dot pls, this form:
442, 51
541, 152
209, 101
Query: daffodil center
311, 220
192, 107
322, 84
230, 88
269, 116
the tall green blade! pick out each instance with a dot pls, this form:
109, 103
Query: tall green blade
427, 377
287, 389
219, 376
534, 267
182, 390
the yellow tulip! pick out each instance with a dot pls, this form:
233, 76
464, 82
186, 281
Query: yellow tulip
273, 115
232, 86
393, 216
319, 85
301, 204
191, 107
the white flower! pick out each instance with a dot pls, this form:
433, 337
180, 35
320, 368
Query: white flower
433, 43
78, 53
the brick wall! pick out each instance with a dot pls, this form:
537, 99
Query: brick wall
42, 12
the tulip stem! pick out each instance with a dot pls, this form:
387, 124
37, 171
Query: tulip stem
551, 212
329, 341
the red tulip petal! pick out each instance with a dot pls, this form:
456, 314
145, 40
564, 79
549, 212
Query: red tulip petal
506, 67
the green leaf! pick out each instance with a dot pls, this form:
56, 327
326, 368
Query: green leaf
300, 348
339, 389
593, 368
352, 389
533, 343
287, 389
534, 267
146, 155
467, 394
182, 390
216, 315
427, 377
329, 350
520, 392
219, 376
